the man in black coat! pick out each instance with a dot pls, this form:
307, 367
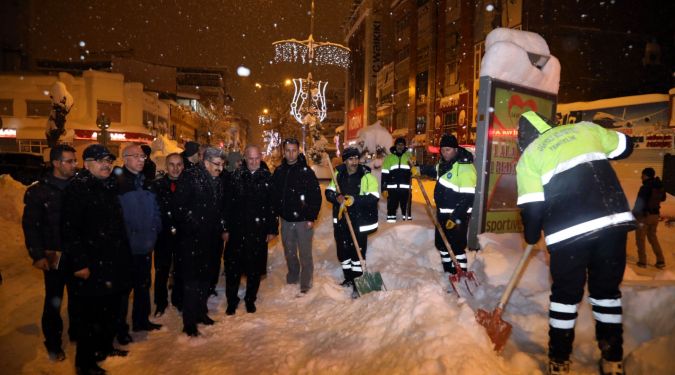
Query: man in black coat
149, 166
167, 241
201, 229
253, 225
297, 201
42, 230
95, 243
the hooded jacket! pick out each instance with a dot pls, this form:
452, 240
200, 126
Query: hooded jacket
649, 198
396, 170
297, 192
566, 185
364, 188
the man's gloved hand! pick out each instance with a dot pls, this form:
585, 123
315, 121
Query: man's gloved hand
385, 194
415, 171
349, 200
341, 211
449, 224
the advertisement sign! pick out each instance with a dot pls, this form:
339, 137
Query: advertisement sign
499, 108
354, 123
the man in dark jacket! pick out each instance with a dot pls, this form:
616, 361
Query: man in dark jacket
167, 242
253, 225
359, 194
454, 192
42, 230
95, 243
297, 201
396, 180
142, 222
568, 189
646, 210
149, 166
190, 154
201, 230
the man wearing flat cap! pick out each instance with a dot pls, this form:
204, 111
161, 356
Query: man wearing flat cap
359, 194
454, 192
396, 180
95, 242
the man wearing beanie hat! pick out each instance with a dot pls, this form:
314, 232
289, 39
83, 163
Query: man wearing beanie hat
568, 189
190, 154
396, 180
359, 194
454, 192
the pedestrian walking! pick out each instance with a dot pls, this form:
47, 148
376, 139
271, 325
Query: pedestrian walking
646, 210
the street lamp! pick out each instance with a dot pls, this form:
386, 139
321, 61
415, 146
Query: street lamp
103, 123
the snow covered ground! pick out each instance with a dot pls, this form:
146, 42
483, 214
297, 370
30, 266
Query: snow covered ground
416, 327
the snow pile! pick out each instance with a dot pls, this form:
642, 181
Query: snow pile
373, 137
161, 147
509, 56
11, 198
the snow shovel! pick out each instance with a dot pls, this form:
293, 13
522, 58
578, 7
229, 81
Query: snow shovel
460, 274
497, 329
367, 282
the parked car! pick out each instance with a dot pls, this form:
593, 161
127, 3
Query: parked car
23, 167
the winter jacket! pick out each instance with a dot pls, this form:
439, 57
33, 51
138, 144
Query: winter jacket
566, 185
141, 212
396, 170
649, 198
252, 218
297, 191
41, 219
364, 188
164, 193
149, 171
200, 221
455, 187
93, 235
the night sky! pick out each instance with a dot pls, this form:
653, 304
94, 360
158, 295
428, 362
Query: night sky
206, 33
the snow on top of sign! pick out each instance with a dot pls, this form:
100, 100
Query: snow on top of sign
506, 58
375, 135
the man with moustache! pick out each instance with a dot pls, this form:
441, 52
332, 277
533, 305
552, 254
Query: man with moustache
95, 242
42, 230
201, 228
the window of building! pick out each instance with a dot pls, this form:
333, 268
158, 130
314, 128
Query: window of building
6, 107
38, 108
35, 146
112, 110
451, 73
421, 83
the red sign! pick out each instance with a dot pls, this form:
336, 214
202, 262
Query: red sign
354, 123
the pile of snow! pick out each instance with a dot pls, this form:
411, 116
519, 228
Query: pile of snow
161, 147
415, 327
506, 58
373, 137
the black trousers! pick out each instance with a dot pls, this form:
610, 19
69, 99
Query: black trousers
165, 259
600, 260
52, 325
398, 198
457, 239
346, 251
96, 330
233, 280
195, 295
140, 272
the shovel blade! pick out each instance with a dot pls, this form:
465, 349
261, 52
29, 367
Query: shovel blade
369, 282
497, 329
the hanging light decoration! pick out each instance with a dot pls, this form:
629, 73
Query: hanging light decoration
308, 106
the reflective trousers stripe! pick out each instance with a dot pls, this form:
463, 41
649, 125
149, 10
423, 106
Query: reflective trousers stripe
562, 324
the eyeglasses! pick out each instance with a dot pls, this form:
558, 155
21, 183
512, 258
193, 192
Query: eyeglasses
216, 164
101, 161
136, 156
69, 161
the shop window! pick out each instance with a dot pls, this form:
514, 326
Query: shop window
6, 107
35, 146
38, 108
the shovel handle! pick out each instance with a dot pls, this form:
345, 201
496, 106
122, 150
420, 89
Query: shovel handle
514, 278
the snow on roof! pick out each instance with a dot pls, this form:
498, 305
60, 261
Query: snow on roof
613, 102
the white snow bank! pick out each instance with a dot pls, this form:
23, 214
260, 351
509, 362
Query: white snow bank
373, 136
